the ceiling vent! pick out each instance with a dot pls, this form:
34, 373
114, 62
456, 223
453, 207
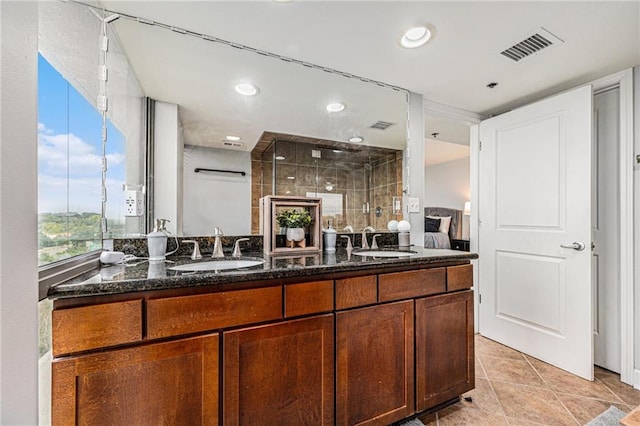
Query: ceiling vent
534, 43
233, 144
381, 125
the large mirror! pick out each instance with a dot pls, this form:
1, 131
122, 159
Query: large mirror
202, 122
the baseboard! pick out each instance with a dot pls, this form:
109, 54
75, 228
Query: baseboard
636, 379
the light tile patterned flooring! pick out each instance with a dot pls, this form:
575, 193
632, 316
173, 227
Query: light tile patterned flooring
516, 389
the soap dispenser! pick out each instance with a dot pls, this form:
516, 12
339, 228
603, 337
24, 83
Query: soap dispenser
157, 241
330, 235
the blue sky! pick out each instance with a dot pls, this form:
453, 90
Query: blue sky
70, 150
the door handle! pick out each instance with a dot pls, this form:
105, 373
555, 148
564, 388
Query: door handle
576, 245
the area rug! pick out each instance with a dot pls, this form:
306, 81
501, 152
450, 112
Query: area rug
610, 417
412, 422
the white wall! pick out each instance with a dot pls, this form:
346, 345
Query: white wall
207, 196
18, 213
413, 175
167, 169
636, 222
447, 184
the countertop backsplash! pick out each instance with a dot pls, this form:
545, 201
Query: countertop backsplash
138, 246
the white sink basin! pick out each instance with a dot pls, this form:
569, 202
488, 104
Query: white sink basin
217, 265
384, 253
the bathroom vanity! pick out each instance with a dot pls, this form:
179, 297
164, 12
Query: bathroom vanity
315, 340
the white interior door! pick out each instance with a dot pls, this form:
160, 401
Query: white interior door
535, 230
606, 229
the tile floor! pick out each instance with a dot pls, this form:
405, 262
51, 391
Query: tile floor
516, 389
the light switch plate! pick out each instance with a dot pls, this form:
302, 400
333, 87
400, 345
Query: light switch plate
413, 206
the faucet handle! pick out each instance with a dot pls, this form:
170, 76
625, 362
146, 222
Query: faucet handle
196, 249
349, 245
374, 243
217, 232
236, 247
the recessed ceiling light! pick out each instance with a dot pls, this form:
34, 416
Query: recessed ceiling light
232, 138
337, 151
356, 139
416, 36
247, 89
336, 107
279, 157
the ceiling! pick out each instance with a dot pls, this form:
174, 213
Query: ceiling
438, 152
454, 68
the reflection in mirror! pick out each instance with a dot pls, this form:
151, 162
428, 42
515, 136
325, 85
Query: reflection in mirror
87, 154
353, 181
218, 128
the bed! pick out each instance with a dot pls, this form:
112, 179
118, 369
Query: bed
434, 216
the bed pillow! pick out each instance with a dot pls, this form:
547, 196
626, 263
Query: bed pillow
445, 222
431, 225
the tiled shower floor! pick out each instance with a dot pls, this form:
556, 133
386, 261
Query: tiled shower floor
516, 389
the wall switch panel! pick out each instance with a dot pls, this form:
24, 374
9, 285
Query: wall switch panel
133, 203
413, 205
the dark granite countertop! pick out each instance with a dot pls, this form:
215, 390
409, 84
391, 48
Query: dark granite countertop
141, 275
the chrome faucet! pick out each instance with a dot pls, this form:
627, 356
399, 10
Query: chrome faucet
374, 243
365, 244
236, 247
217, 244
196, 249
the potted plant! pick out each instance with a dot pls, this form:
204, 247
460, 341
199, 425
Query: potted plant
294, 221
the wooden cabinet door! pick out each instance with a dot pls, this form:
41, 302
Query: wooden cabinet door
444, 348
162, 383
375, 370
280, 374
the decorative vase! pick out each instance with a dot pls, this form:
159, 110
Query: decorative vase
295, 237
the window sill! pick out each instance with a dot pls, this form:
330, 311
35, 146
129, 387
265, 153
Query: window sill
64, 270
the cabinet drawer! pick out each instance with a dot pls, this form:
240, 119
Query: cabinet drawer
97, 326
359, 291
406, 285
173, 316
308, 298
459, 277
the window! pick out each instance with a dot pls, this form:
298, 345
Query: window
70, 170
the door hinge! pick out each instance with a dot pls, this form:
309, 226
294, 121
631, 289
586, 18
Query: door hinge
479, 298
480, 146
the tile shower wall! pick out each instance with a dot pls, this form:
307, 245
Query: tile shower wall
345, 180
261, 184
386, 183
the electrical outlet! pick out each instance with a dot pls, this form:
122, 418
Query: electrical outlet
133, 203
413, 206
